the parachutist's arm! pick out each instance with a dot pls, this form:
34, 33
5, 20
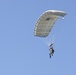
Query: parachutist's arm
51, 45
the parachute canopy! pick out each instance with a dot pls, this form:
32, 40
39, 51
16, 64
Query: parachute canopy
46, 22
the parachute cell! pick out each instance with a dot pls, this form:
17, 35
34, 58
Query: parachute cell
46, 22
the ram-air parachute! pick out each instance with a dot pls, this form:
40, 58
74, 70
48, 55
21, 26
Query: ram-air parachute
46, 21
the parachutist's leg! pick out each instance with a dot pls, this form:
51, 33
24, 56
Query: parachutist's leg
50, 55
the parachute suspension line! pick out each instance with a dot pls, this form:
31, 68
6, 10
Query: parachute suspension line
45, 40
52, 40
48, 40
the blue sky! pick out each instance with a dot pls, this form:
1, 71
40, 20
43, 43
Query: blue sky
21, 53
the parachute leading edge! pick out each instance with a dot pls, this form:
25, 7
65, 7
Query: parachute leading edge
46, 21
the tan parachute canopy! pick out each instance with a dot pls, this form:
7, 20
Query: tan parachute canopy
46, 22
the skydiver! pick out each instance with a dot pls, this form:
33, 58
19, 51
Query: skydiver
51, 50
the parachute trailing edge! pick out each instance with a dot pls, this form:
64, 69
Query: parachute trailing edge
46, 21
